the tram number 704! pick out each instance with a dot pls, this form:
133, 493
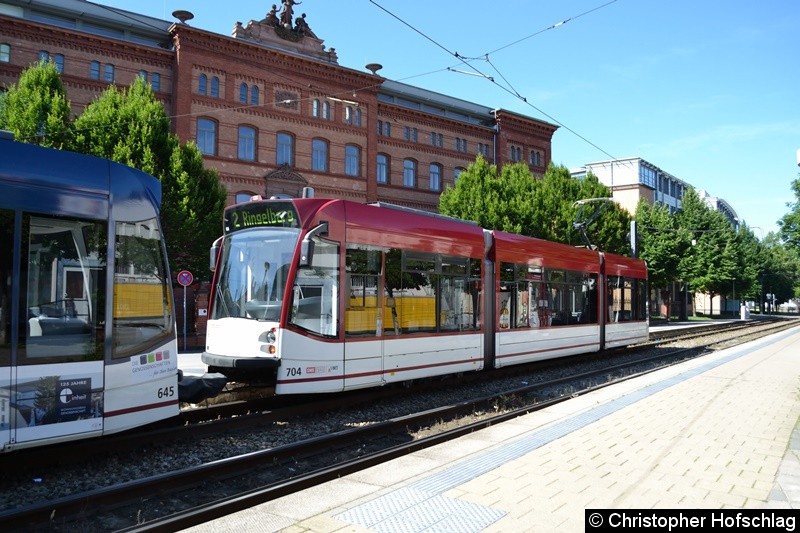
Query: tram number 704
294, 371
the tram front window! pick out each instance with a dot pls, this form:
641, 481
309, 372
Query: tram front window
252, 274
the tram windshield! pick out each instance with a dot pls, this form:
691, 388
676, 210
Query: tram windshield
252, 273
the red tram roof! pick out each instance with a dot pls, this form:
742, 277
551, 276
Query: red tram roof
514, 248
630, 267
408, 229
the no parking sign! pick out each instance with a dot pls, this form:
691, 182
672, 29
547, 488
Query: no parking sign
185, 278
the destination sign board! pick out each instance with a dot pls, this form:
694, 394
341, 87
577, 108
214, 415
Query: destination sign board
261, 214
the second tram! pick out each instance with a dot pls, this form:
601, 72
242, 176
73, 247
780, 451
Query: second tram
320, 296
88, 344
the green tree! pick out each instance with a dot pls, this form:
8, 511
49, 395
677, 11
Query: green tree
36, 109
710, 263
132, 127
662, 245
789, 224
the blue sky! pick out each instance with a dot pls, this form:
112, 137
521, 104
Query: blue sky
706, 90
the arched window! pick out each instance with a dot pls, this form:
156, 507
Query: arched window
243, 93
109, 73
5, 53
326, 110
155, 81
436, 177
352, 160
254, 99
315, 108
94, 70
243, 197
383, 169
247, 143
357, 117
215, 87
319, 155
202, 84
207, 136
58, 59
409, 173
284, 149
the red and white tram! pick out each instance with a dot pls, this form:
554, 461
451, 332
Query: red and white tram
320, 295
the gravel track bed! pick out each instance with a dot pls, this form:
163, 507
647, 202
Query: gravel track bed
30, 485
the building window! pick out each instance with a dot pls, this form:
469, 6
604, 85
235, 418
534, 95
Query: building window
357, 117
352, 160
58, 59
155, 81
202, 84
284, 149
315, 108
109, 73
464, 145
207, 136
348, 115
409, 173
94, 70
143, 74
247, 143
326, 110
242, 197
383, 168
243, 93
44, 55
456, 173
319, 155
215, 87
436, 177
5, 53
254, 96
407, 133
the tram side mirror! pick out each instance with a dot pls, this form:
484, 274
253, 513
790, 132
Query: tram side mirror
307, 245
306, 252
212, 260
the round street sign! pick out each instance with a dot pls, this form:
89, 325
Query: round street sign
185, 277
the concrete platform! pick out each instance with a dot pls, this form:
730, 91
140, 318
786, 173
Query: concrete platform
718, 433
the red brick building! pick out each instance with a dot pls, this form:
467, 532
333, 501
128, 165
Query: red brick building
269, 106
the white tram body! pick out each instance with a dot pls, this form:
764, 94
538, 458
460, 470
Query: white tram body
87, 333
320, 296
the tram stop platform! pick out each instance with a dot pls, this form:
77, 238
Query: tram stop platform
716, 433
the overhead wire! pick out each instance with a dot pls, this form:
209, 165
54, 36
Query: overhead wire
467, 61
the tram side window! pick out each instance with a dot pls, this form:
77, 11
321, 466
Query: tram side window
627, 299
6, 265
426, 292
532, 297
315, 294
142, 298
63, 288
362, 302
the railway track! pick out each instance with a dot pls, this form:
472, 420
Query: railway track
195, 494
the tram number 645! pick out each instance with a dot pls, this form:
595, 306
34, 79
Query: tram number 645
166, 392
294, 371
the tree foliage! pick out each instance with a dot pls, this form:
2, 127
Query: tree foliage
36, 109
517, 202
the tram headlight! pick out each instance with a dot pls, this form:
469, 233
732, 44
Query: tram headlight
272, 336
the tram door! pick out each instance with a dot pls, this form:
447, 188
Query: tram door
57, 380
6, 263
